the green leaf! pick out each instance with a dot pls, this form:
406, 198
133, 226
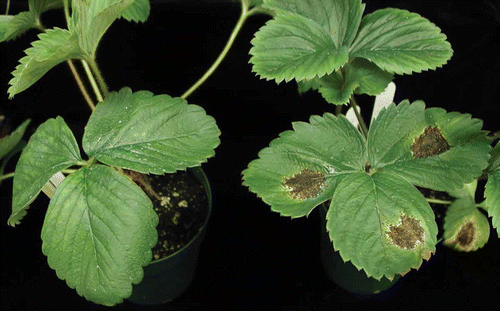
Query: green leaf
296, 173
40, 6
50, 149
494, 161
432, 148
91, 19
400, 42
465, 227
340, 18
9, 142
294, 47
492, 194
98, 233
12, 27
381, 224
361, 77
52, 48
137, 11
150, 134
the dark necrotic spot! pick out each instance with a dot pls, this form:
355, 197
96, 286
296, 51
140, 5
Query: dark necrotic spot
431, 142
306, 184
466, 235
407, 234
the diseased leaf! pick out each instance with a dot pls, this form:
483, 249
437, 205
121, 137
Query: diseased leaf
381, 224
50, 149
98, 233
52, 48
138, 11
465, 228
294, 47
150, 134
295, 174
432, 148
400, 42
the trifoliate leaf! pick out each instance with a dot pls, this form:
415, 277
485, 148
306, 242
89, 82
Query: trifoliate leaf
137, 11
400, 42
98, 233
50, 149
12, 26
52, 48
91, 19
465, 227
150, 134
432, 148
294, 47
9, 142
299, 170
381, 224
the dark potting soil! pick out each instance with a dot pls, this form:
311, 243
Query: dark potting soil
182, 210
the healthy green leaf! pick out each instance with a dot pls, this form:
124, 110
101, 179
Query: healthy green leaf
50, 149
137, 11
52, 48
91, 19
381, 224
465, 228
361, 77
98, 233
251, 3
40, 6
296, 173
294, 47
12, 27
8, 143
400, 42
340, 18
432, 148
494, 161
492, 194
150, 134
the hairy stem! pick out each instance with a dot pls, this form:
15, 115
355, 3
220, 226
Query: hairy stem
93, 82
9, 175
82, 88
362, 124
438, 201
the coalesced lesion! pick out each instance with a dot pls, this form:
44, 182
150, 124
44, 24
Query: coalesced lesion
407, 234
305, 184
430, 143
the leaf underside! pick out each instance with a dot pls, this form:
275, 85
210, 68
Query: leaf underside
98, 233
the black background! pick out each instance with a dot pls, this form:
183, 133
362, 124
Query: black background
251, 257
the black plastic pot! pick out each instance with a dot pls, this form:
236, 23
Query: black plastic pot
346, 275
167, 278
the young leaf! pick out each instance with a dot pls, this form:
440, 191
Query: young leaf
150, 134
381, 224
91, 19
50, 149
296, 173
12, 26
465, 228
432, 148
400, 42
138, 11
361, 77
8, 143
295, 47
98, 233
52, 48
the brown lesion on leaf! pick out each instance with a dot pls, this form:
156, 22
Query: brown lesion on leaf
465, 237
407, 234
305, 184
431, 142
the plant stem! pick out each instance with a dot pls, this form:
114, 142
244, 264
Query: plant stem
362, 124
438, 201
9, 175
100, 79
244, 15
80, 85
8, 7
93, 82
